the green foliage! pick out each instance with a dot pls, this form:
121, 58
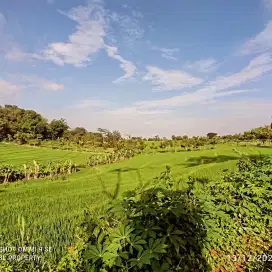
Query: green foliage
211, 135
154, 228
107, 158
160, 227
28, 127
53, 209
36, 170
57, 128
21, 125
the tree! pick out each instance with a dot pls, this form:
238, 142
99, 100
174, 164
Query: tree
79, 131
3, 130
57, 128
110, 138
14, 120
211, 135
22, 138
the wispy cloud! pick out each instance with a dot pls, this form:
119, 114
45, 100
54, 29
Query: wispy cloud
203, 66
88, 39
9, 49
16, 54
93, 28
167, 53
260, 43
170, 79
129, 112
198, 97
256, 68
229, 93
90, 103
129, 30
33, 81
217, 117
8, 89
127, 66
45, 84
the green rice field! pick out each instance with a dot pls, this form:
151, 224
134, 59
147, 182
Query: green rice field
18, 155
52, 209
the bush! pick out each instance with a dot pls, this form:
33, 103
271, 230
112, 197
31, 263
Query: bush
197, 226
152, 229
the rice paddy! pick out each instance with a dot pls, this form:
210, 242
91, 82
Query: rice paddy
53, 209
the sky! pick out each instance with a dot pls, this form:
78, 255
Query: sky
144, 68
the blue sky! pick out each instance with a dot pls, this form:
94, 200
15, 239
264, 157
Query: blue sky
142, 67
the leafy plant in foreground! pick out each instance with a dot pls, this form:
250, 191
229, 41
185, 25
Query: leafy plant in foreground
158, 227
154, 228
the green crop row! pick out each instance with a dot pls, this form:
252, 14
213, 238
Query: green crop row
107, 158
9, 173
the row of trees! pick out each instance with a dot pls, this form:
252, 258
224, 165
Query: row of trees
23, 125
28, 126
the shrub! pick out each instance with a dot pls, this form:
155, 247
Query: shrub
36, 170
152, 229
198, 225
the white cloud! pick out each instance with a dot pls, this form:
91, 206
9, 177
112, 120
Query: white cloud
167, 53
127, 66
9, 49
88, 39
129, 30
44, 83
90, 103
203, 66
128, 112
228, 93
15, 54
198, 97
260, 43
217, 117
256, 68
52, 86
32, 81
8, 89
170, 79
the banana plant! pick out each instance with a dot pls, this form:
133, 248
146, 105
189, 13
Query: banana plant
36, 170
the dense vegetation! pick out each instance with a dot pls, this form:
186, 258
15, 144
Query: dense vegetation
200, 216
177, 225
165, 227
28, 127
51, 170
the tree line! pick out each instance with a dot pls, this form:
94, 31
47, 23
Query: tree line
27, 126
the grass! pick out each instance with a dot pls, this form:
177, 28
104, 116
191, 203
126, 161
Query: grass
52, 209
18, 155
